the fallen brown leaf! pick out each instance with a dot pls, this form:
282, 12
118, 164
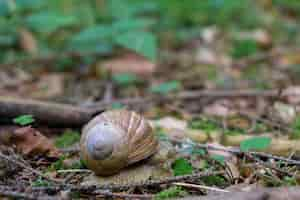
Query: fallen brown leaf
27, 42
129, 63
31, 142
291, 95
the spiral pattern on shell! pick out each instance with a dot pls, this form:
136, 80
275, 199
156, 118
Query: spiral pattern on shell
115, 139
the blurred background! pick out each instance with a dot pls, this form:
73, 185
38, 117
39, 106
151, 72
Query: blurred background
83, 52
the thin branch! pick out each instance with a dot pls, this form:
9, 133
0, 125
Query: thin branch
10, 192
201, 187
93, 188
237, 151
22, 165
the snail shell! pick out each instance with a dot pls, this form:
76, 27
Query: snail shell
116, 139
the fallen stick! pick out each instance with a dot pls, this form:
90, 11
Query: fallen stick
51, 114
54, 114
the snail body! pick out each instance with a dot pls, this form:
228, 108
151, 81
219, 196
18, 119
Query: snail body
115, 139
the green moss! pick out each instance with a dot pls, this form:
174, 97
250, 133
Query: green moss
67, 139
40, 182
171, 192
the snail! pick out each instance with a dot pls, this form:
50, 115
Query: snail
115, 139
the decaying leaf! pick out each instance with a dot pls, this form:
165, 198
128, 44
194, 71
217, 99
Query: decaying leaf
31, 142
129, 63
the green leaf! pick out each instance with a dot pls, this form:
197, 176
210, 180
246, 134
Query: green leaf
171, 192
48, 22
219, 158
166, 87
143, 43
93, 39
119, 9
244, 48
255, 143
125, 25
125, 79
67, 139
30, 4
23, 120
182, 167
117, 105
93, 34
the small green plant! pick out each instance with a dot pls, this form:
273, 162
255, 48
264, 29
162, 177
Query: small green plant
219, 158
243, 48
289, 181
57, 165
166, 87
203, 124
125, 79
171, 192
40, 182
255, 143
24, 120
236, 131
214, 180
116, 105
67, 139
296, 128
181, 167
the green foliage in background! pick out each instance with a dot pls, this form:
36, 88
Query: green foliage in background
102, 26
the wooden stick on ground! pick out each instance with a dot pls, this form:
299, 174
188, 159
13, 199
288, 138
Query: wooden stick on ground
51, 114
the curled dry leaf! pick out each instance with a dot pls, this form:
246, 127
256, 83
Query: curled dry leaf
129, 63
31, 142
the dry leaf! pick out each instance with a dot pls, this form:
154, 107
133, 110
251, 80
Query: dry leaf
27, 42
31, 142
283, 113
129, 63
48, 86
220, 109
291, 95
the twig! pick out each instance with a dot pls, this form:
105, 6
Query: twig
93, 188
201, 187
239, 152
74, 171
22, 165
126, 196
51, 58
9, 192
186, 95
46, 112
